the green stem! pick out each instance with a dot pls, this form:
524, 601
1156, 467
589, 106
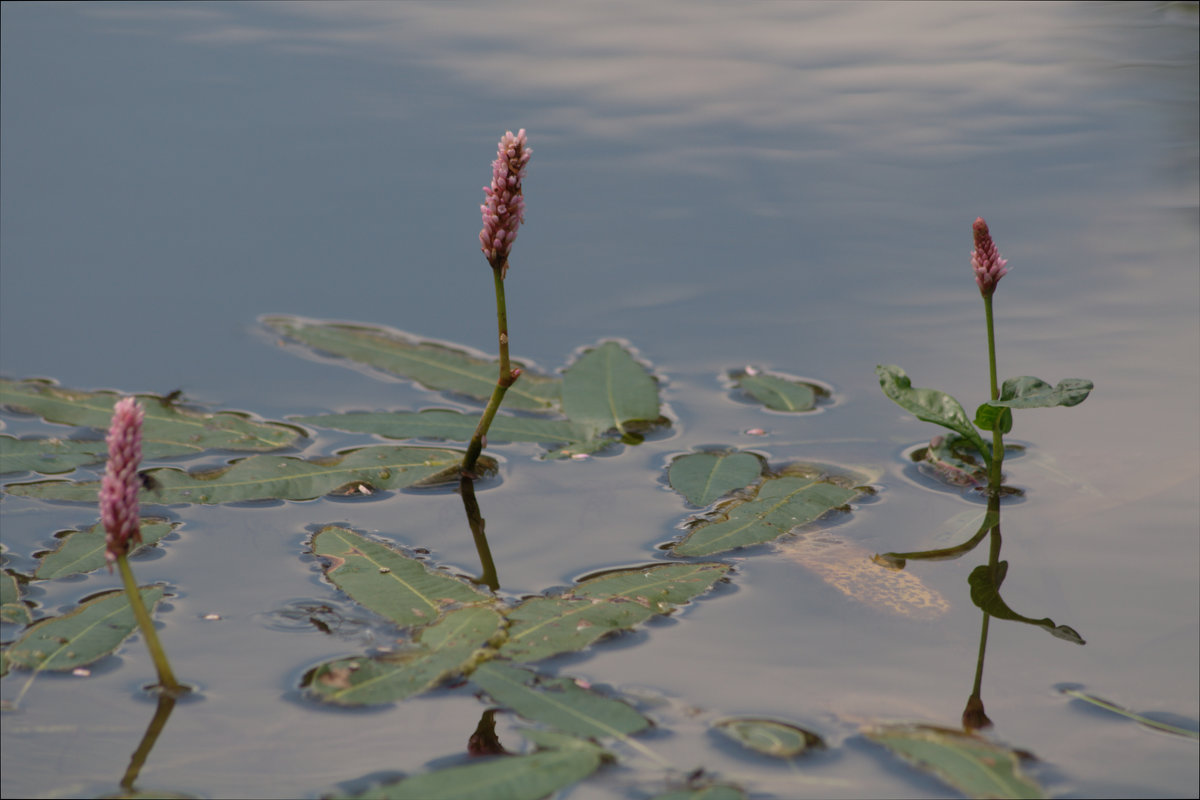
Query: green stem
505, 380
166, 677
997, 437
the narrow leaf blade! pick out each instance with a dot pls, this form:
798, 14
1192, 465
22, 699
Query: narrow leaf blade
440, 423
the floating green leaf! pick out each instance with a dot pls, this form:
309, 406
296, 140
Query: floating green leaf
446, 647
389, 583
930, 405
704, 477
780, 505
1030, 392
266, 477
607, 388
434, 366
970, 764
557, 702
1108, 705
83, 551
776, 393
90, 632
49, 456
770, 737
169, 430
985, 593
566, 760
545, 626
439, 423
11, 607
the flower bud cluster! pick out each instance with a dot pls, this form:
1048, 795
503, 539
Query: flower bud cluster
504, 207
119, 487
985, 258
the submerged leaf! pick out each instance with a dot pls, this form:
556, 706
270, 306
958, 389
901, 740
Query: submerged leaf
564, 761
1030, 392
86, 634
972, 765
781, 505
444, 648
930, 405
607, 388
435, 366
985, 593
557, 702
776, 393
389, 583
266, 477
853, 571
1107, 705
770, 737
704, 477
546, 626
169, 430
83, 551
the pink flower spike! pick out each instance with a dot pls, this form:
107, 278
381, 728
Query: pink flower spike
985, 258
503, 209
119, 488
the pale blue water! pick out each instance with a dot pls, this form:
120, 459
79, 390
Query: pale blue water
781, 184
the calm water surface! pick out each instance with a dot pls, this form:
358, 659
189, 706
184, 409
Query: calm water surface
789, 185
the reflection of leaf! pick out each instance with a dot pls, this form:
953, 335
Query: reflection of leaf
266, 477
169, 429
606, 388
564, 761
557, 702
389, 583
1107, 705
1030, 392
776, 393
780, 505
434, 366
973, 765
704, 477
11, 607
930, 405
90, 632
769, 736
438, 423
546, 626
851, 570
896, 560
83, 551
985, 593
443, 648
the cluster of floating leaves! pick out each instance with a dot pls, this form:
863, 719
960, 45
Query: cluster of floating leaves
606, 398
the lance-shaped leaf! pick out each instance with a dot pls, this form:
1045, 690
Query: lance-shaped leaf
446, 647
776, 393
11, 607
266, 477
985, 593
434, 366
90, 632
770, 737
1107, 705
389, 583
930, 405
558, 702
563, 761
545, 626
169, 430
780, 506
83, 551
704, 477
607, 388
1030, 392
49, 456
440, 423
972, 765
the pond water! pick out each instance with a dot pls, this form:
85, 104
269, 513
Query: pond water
785, 185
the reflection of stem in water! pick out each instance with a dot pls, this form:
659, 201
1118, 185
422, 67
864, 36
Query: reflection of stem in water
466, 487
973, 716
484, 741
166, 703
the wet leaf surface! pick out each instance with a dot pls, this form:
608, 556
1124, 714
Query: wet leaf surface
777, 393
11, 607
930, 405
451, 425
607, 388
770, 737
1030, 392
704, 477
